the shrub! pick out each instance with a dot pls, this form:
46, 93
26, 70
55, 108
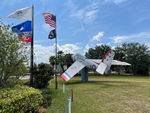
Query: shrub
20, 99
42, 74
47, 99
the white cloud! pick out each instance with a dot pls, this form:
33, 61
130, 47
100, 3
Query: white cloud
119, 39
113, 47
148, 44
116, 1
90, 16
68, 48
98, 36
137, 37
90, 13
108, 43
43, 53
87, 14
86, 48
99, 44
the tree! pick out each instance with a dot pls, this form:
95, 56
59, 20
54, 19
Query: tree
98, 52
42, 74
62, 60
91, 53
13, 55
68, 60
52, 60
137, 55
120, 55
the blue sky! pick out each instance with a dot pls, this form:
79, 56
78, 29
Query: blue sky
83, 24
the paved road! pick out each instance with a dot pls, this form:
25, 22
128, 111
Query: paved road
24, 77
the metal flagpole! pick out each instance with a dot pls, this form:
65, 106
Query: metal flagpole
32, 39
56, 84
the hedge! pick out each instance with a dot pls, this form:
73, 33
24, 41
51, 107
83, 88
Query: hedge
20, 99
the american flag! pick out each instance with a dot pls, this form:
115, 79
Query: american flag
50, 19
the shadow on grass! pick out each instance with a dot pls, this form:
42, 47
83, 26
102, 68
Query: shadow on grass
104, 84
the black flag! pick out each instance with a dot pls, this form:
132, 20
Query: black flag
52, 34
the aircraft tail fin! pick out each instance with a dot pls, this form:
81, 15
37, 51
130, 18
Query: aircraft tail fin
105, 64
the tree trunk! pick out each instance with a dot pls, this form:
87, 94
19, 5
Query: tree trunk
118, 69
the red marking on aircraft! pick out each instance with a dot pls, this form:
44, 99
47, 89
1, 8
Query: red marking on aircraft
96, 62
106, 55
64, 77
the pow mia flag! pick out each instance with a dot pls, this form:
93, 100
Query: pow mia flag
52, 34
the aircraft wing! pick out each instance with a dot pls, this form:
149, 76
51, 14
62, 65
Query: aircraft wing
72, 70
117, 62
114, 62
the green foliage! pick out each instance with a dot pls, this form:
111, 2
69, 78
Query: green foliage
120, 53
98, 52
47, 99
45, 92
62, 59
52, 60
42, 74
137, 55
13, 55
20, 99
68, 60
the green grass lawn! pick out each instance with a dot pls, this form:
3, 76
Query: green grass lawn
122, 94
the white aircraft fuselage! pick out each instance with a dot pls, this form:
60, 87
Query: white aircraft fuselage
87, 62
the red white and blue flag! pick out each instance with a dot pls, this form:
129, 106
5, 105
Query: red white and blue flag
50, 19
24, 31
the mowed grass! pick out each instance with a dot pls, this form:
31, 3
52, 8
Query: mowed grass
113, 94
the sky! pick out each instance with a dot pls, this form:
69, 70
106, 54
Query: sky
83, 24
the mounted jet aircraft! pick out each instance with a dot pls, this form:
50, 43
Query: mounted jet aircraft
101, 66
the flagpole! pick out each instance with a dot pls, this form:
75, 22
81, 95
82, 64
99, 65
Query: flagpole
56, 84
32, 47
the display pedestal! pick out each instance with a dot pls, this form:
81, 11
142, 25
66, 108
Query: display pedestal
84, 75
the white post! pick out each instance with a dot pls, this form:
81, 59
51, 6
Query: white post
69, 104
63, 87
